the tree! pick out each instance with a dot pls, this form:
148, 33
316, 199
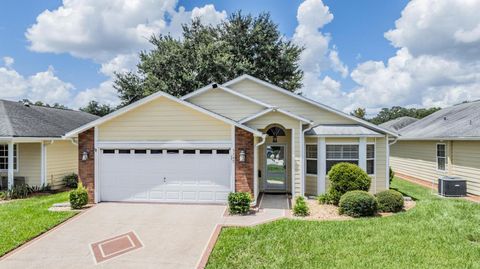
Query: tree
40, 103
242, 44
387, 114
95, 108
359, 112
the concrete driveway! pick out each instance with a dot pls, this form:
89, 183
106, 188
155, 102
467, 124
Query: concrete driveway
172, 236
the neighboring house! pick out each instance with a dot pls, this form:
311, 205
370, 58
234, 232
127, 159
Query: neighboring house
398, 123
245, 135
446, 142
32, 149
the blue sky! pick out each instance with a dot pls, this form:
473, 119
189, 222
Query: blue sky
352, 32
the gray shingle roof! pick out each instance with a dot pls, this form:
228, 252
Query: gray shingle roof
398, 123
18, 120
456, 122
341, 130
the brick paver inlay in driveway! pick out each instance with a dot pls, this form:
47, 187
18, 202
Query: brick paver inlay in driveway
115, 246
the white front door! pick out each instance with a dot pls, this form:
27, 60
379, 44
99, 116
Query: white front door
159, 175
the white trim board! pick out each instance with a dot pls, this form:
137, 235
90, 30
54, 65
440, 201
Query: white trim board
310, 101
152, 98
273, 109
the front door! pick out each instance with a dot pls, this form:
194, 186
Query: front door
276, 168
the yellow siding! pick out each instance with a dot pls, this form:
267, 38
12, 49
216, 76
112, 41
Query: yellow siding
466, 163
162, 120
226, 104
29, 163
311, 185
380, 178
416, 159
62, 159
298, 107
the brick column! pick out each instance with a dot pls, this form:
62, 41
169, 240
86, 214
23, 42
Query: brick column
86, 169
243, 170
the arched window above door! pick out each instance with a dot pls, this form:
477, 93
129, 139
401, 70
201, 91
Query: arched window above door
274, 132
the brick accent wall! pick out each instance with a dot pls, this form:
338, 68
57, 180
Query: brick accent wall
243, 170
86, 169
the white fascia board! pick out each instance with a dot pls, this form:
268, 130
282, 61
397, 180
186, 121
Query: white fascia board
305, 120
268, 110
439, 138
149, 99
302, 98
197, 92
347, 135
29, 139
254, 116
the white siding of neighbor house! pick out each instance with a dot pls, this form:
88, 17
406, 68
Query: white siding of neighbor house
162, 120
226, 104
298, 107
62, 159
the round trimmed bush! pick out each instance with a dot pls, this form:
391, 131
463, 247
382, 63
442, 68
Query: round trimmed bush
358, 204
346, 177
390, 201
239, 202
78, 197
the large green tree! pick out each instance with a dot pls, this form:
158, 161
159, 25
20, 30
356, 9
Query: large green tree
95, 108
387, 114
242, 44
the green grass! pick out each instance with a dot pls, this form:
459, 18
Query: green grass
437, 233
25, 219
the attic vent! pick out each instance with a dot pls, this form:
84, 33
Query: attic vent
444, 118
214, 86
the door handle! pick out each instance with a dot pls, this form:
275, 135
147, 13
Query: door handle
164, 179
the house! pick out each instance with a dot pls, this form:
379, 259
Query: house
32, 150
446, 142
245, 135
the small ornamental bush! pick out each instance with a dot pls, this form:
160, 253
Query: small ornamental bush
358, 204
325, 199
239, 202
391, 174
390, 201
78, 197
301, 208
346, 177
70, 180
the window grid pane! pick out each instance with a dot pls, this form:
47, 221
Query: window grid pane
311, 166
311, 151
342, 152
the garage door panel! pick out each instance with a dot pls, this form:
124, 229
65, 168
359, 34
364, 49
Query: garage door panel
165, 177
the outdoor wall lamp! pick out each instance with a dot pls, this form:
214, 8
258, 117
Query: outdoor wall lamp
85, 155
242, 155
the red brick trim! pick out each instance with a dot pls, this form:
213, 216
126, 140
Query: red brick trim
86, 169
244, 170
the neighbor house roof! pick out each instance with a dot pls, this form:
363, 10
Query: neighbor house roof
398, 123
341, 130
19, 120
459, 122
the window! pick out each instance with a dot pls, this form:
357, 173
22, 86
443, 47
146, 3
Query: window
311, 157
370, 159
156, 151
189, 151
206, 151
4, 157
341, 153
108, 151
223, 151
172, 151
441, 157
140, 151
124, 151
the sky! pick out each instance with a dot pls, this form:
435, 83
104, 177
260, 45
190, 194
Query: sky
365, 53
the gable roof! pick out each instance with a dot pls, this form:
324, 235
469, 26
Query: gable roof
398, 123
19, 120
275, 109
459, 122
310, 101
151, 98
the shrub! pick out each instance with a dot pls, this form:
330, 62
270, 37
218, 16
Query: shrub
390, 201
358, 204
239, 202
301, 208
19, 191
78, 197
3, 195
391, 174
325, 198
70, 180
346, 177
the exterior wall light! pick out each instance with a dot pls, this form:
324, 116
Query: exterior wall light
242, 156
85, 155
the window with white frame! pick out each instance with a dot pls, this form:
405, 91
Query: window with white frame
441, 157
370, 159
340, 153
311, 157
4, 157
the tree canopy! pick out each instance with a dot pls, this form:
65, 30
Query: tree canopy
242, 44
387, 114
98, 109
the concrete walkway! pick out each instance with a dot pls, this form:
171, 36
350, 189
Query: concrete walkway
170, 235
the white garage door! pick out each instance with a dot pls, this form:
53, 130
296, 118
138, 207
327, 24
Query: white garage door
160, 175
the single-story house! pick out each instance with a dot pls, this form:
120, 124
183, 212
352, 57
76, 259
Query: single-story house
244, 135
445, 143
32, 150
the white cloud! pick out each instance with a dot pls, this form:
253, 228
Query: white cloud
437, 63
8, 61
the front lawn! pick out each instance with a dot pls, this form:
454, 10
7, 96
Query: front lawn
437, 233
25, 219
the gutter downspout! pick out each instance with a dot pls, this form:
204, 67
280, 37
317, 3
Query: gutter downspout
255, 184
304, 160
